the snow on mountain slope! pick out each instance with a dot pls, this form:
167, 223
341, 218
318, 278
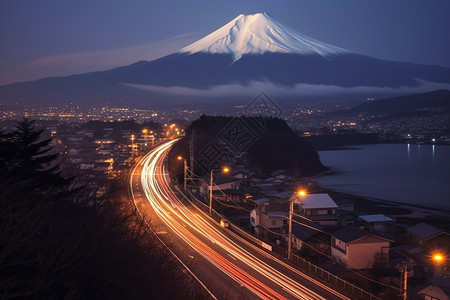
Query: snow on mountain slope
258, 34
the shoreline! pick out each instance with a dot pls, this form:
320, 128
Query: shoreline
417, 171
404, 214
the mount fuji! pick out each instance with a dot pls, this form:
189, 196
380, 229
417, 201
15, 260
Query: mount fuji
252, 53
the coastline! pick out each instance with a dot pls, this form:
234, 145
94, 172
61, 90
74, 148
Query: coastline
399, 176
404, 214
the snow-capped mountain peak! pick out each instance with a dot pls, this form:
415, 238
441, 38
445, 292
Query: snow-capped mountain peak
258, 34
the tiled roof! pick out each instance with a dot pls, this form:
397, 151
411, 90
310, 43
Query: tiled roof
424, 231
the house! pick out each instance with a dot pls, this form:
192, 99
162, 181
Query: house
378, 222
242, 174
233, 195
433, 292
220, 183
312, 234
268, 216
429, 237
319, 208
358, 249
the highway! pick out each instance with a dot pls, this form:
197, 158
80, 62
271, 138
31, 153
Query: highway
220, 260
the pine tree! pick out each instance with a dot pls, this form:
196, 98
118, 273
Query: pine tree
25, 158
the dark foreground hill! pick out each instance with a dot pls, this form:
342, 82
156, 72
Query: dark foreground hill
263, 144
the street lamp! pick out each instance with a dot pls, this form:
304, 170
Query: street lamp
440, 260
179, 158
132, 145
300, 193
438, 257
225, 170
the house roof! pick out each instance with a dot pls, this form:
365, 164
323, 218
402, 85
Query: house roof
350, 234
275, 206
375, 218
277, 214
433, 291
305, 230
225, 179
234, 191
425, 231
311, 201
262, 200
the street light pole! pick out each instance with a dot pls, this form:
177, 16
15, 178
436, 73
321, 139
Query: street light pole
291, 210
185, 175
224, 170
300, 193
210, 193
404, 288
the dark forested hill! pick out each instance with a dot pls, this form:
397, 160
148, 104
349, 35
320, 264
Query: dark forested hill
263, 144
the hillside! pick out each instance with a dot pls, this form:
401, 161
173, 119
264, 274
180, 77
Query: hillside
262, 144
435, 101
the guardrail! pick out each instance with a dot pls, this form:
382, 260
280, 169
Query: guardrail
343, 285
340, 284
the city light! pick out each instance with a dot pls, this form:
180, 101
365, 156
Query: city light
226, 169
144, 131
205, 239
179, 157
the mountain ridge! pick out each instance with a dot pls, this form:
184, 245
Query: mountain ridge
200, 72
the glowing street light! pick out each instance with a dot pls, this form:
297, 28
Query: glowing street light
224, 170
179, 157
301, 193
144, 131
438, 257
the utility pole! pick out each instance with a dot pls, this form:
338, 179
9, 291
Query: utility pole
185, 174
210, 193
404, 282
191, 150
291, 211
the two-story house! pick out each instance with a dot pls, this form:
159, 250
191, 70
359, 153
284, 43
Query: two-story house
267, 217
318, 208
358, 249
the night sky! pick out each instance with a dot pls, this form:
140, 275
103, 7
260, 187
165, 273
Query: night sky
54, 38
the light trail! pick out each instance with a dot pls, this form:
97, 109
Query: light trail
209, 241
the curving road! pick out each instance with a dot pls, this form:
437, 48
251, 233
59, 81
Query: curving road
225, 264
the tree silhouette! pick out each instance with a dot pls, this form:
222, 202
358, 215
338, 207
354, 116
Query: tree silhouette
54, 245
27, 160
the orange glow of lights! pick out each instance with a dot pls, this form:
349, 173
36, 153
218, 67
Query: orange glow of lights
179, 157
226, 170
438, 257
144, 131
302, 193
